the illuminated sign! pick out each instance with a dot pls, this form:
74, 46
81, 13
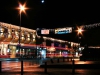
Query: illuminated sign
45, 31
63, 30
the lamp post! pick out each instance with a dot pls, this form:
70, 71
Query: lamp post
79, 32
21, 9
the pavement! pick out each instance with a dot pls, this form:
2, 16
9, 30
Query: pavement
54, 67
53, 71
54, 63
69, 64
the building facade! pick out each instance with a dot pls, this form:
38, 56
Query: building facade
30, 45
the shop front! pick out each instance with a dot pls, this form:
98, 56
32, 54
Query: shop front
13, 51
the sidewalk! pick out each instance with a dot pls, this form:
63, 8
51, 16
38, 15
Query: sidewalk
66, 61
68, 64
56, 68
53, 71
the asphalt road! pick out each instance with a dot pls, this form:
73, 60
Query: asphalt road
52, 71
55, 68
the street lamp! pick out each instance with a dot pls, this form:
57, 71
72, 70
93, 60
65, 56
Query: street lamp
21, 9
79, 32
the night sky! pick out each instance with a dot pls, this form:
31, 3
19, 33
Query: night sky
55, 14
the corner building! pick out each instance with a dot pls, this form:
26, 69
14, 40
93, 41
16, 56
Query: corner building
31, 45
9, 40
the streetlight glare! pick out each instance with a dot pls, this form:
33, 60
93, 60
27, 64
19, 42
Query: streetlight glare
79, 30
22, 8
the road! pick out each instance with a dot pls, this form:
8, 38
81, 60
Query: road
52, 71
55, 63
33, 68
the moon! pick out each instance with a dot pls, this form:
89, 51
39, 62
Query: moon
42, 1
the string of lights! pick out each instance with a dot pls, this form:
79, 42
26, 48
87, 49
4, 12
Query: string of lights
90, 26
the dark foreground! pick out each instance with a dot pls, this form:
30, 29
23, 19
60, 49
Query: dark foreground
53, 71
77, 66
55, 68
63, 69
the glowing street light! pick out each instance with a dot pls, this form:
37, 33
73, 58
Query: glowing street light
79, 33
21, 9
79, 30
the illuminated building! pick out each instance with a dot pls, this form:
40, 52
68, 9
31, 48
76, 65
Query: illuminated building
32, 45
9, 37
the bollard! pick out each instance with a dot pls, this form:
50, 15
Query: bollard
71, 58
67, 58
58, 60
63, 59
29, 63
21, 67
73, 66
51, 61
45, 69
0, 66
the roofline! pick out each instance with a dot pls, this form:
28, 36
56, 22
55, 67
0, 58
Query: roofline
16, 27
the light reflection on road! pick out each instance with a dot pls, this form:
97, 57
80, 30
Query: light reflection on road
14, 66
31, 65
57, 71
9, 65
